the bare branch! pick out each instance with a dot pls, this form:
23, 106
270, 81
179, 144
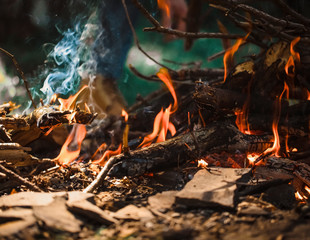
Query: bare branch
137, 40
18, 68
158, 28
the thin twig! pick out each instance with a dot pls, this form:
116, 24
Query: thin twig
293, 13
196, 35
155, 78
19, 179
102, 174
137, 40
158, 28
221, 53
18, 68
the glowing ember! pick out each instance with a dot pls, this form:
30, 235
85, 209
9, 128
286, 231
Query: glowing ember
107, 154
164, 5
125, 115
252, 158
229, 54
202, 163
76, 136
165, 77
294, 150
307, 189
298, 196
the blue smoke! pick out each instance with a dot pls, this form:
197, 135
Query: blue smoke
64, 78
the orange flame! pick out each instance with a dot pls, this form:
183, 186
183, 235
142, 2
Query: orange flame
107, 154
68, 104
294, 56
161, 123
290, 64
242, 121
77, 135
298, 196
163, 75
229, 54
164, 5
307, 189
54, 98
160, 128
125, 115
102, 147
276, 144
164, 125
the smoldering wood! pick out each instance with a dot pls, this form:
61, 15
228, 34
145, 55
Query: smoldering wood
175, 151
285, 168
26, 129
192, 145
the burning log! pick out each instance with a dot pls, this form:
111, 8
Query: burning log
216, 137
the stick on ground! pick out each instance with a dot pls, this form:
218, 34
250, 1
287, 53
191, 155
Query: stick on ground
12, 175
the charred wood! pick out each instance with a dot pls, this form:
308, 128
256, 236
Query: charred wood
189, 146
29, 128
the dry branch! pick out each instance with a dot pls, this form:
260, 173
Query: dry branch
18, 68
194, 35
14, 177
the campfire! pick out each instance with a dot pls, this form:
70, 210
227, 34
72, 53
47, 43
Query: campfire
210, 153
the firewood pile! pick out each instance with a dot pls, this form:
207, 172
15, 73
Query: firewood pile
246, 125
